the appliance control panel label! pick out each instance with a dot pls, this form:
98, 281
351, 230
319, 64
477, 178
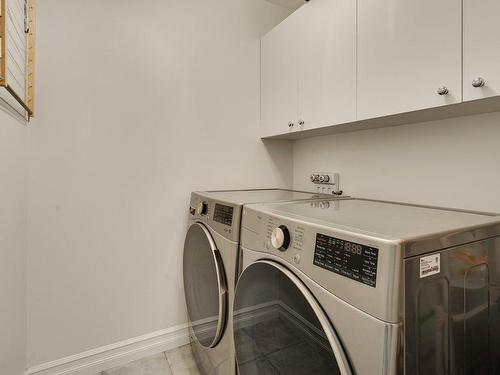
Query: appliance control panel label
430, 265
298, 238
355, 261
223, 214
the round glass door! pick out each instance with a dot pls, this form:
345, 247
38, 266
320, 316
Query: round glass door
279, 327
205, 286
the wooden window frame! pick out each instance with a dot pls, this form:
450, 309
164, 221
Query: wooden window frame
28, 102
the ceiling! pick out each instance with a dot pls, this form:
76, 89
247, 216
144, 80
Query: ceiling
291, 4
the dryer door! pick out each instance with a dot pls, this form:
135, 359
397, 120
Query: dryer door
205, 286
279, 327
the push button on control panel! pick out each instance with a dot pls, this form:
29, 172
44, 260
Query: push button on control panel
296, 258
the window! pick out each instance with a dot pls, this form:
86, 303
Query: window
17, 55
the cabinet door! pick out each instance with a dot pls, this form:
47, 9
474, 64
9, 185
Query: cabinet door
481, 49
279, 85
407, 49
327, 65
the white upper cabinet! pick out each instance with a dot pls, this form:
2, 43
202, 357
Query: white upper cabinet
309, 68
408, 51
279, 82
481, 49
342, 65
327, 63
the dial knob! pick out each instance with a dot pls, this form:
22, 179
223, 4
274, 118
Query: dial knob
324, 178
202, 208
280, 238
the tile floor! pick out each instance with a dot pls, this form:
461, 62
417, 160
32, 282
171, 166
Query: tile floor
269, 347
275, 346
178, 361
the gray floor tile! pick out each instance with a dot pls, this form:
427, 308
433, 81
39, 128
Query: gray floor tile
247, 349
154, 365
182, 362
272, 335
258, 367
304, 358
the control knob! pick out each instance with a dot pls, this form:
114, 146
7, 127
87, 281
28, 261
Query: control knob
280, 238
202, 208
324, 178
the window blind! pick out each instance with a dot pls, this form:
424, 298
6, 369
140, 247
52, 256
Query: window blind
17, 30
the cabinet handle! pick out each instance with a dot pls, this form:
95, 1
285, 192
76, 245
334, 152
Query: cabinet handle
478, 82
443, 90
291, 124
301, 122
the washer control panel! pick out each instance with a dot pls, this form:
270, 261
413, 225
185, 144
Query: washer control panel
355, 261
356, 267
223, 214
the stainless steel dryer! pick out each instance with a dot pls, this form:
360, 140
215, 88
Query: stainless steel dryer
368, 288
210, 268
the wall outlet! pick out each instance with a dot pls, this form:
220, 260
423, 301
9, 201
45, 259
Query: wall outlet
325, 183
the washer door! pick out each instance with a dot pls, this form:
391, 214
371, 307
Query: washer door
279, 327
205, 286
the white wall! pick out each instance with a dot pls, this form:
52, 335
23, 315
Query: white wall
290, 4
451, 163
139, 103
13, 218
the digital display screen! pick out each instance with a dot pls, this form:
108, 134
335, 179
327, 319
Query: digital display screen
223, 214
349, 259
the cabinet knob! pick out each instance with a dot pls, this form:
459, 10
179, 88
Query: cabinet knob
478, 82
301, 122
291, 124
443, 90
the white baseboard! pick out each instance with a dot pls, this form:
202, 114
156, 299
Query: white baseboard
118, 354
96, 360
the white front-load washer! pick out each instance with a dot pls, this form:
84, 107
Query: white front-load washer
210, 267
369, 288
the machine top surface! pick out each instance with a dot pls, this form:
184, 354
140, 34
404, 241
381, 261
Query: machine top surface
242, 197
221, 210
384, 220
